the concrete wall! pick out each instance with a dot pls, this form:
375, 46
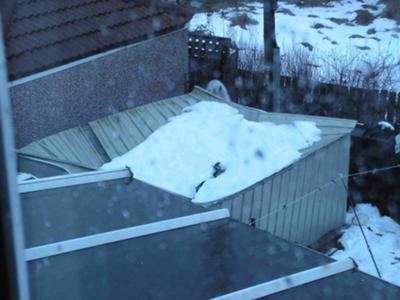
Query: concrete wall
93, 88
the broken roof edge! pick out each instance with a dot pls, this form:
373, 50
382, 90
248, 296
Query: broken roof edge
339, 122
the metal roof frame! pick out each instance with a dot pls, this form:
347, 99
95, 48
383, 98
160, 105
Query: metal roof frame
16, 279
290, 281
123, 234
73, 179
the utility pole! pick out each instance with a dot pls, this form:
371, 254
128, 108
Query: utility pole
271, 58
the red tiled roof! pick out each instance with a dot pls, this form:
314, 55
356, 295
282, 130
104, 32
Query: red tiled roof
47, 33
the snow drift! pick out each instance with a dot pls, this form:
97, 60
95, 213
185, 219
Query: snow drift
211, 151
383, 235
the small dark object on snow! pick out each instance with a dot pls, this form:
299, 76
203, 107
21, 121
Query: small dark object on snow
259, 154
199, 186
356, 36
307, 45
218, 169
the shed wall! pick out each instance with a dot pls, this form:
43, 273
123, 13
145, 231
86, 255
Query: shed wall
310, 211
148, 71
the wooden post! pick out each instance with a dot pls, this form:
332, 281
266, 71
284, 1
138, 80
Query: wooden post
271, 58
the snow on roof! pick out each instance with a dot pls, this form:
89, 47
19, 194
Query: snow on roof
211, 151
100, 141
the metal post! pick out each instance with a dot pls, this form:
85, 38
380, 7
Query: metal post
12, 233
271, 57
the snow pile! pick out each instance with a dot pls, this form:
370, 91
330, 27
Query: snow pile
383, 235
385, 125
211, 151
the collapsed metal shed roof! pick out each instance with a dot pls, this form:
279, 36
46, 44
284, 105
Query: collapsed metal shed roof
89, 147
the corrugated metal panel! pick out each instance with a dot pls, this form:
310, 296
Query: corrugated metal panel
77, 146
46, 168
123, 131
290, 203
298, 208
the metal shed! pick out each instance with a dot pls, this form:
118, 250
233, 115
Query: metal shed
289, 204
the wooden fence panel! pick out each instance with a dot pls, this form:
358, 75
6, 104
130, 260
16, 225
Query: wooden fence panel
391, 107
397, 110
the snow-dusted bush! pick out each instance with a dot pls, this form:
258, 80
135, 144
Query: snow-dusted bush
299, 62
243, 20
349, 69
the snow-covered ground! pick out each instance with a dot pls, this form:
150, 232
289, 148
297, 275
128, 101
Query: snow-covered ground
211, 151
383, 235
330, 33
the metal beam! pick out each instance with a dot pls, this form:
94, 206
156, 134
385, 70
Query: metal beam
71, 180
11, 226
123, 234
46, 162
291, 281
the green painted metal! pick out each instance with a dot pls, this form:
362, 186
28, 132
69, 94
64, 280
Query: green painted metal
76, 147
93, 145
290, 203
280, 204
123, 131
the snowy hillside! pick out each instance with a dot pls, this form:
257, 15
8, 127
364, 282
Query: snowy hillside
211, 151
345, 31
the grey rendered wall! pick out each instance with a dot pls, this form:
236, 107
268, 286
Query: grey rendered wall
307, 216
147, 71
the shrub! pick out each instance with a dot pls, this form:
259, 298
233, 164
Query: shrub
364, 17
242, 20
